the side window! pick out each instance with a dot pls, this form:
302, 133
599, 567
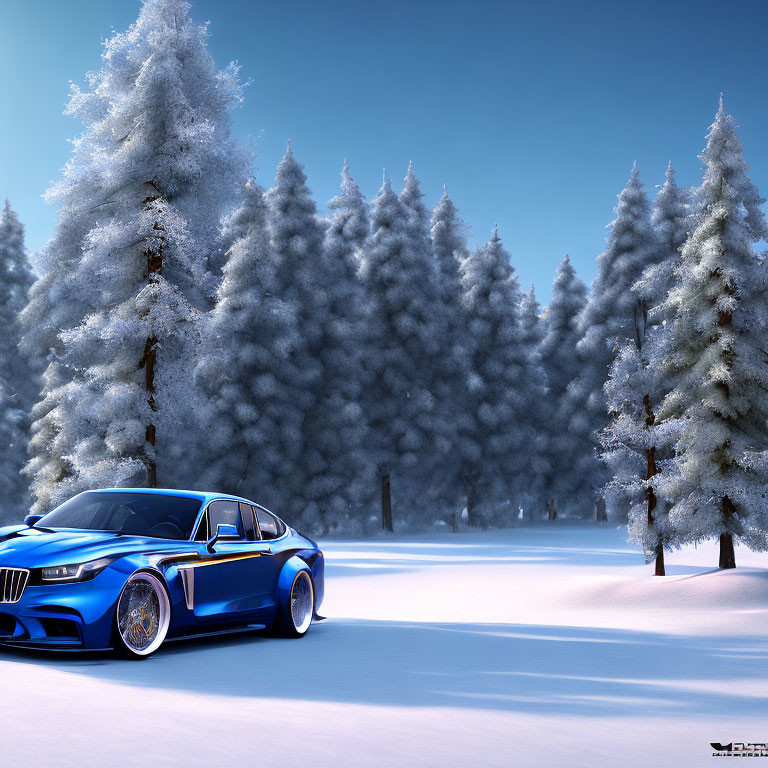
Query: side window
224, 512
202, 529
249, 523
270, 526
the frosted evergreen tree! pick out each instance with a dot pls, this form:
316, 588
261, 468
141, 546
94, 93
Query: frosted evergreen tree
56, 301
19, 372
313, 275
531, 323
561, 366
449, 243
140, 204
411, 197
337, 453
497, 383
607, 322
631, 443
536, 410
343, 240
634, 446
348, 227
717, 360
669, 218
449, 240
19, 273
439, 481
296, 242
246, 368
403, 340
236, 226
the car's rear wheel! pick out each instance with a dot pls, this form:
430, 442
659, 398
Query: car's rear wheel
295, 617
142, 616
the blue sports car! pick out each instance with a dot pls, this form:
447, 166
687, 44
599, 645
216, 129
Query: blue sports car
129, 568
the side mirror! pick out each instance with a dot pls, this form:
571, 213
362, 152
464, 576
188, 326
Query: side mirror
30, 520
223, 531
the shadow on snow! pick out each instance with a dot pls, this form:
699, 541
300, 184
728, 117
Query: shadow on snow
536, 669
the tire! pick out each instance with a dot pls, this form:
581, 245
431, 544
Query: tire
142, 616
295, 618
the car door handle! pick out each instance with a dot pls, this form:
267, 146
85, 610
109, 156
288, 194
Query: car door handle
266, 551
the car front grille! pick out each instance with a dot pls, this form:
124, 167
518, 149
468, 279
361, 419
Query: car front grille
13, 581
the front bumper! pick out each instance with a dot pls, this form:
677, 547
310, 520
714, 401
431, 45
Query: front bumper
66, 616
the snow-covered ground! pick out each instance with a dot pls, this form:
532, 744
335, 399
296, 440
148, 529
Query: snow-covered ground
545, 645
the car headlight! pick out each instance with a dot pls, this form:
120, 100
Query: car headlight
79, 572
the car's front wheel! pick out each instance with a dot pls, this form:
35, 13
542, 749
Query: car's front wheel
142, 616
295, 617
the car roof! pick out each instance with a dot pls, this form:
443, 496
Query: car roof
204, 496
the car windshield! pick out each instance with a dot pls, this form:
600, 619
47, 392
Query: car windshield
137, 514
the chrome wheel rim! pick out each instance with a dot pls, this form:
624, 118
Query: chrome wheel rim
143, 614
302, 602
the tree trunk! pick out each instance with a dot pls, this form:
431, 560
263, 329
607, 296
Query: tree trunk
600, 514
386, 504
148, 362
552, 509
652, 501
455, 521
149, 359
649, 492
727, 555
473, 519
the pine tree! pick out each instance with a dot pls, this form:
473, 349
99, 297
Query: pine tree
531, 323
19, 372
669, 218
342, 244
337, 456
56, 302
449, 244
348, 227
449, 240
249, 212
631, 441
20, 369
314, 274
403, 338
281, 362
634, 446
491, 299
438, 477
411, 197
561, 366
20, 275
140, 204
717, 359
607, 322
247, 368
535, 412
296, 242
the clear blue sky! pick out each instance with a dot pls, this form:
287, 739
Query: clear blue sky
531, 112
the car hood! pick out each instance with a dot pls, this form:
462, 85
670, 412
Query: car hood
24, 547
